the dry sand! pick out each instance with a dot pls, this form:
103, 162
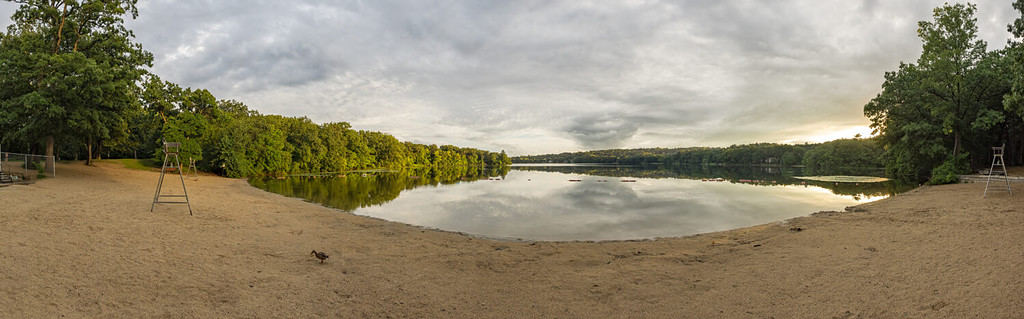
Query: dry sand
84, 244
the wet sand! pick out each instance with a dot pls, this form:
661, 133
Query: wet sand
85, 245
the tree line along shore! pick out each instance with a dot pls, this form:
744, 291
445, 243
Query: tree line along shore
843, 156
76, 85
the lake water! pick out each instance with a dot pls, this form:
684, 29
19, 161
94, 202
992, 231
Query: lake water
579, 202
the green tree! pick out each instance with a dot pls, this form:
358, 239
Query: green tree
843, 156
189, 129
1014, 100
339, 157
309, 150
71, 66
911, 136
70, 73
949, 59
947, 104
198, 101
160, 97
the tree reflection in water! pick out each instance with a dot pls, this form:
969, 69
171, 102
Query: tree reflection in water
354, 190
763, 176
350, 191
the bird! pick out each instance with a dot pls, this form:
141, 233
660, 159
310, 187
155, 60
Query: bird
319, 255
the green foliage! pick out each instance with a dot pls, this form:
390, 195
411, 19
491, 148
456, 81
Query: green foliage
951, 102
1013, 101
237, 142
69, 71
956, 73
187, 129
950, 170
844, 156
309, 151
270, 152
838, 157
233, 148
615, 156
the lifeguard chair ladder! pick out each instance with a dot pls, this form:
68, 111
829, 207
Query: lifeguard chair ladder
171, 148
997, 161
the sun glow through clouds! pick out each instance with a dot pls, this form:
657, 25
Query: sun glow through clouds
829, 134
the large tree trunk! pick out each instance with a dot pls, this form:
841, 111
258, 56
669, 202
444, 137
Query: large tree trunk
956, 144
1020, 150
49, 154
88, 152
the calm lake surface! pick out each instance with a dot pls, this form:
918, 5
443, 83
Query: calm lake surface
579, 202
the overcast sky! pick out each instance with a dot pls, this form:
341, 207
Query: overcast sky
535, 77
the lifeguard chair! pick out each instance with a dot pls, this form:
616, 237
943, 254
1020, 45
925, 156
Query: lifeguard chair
171, 148
997, 161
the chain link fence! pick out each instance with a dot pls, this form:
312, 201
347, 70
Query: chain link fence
25, 168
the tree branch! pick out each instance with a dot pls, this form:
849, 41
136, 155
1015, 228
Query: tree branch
60, 30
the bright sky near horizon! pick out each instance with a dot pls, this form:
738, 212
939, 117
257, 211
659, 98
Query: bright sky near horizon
534, 77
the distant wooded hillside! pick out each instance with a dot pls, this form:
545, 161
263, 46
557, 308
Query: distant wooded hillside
834, 156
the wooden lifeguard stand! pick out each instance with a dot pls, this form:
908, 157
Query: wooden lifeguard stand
997, 161
171, 148
192, 170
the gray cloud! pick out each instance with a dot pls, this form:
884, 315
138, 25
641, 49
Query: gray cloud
602, 131
549, 76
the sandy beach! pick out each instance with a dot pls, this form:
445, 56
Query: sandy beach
85, 245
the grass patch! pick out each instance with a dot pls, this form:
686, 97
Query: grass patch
139, 164
844, 179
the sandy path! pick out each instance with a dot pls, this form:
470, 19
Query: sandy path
85, 245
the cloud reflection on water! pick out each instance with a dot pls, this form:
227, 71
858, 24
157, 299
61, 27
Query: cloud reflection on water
547, 206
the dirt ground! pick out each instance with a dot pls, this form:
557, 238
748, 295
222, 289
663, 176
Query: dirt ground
85, 245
